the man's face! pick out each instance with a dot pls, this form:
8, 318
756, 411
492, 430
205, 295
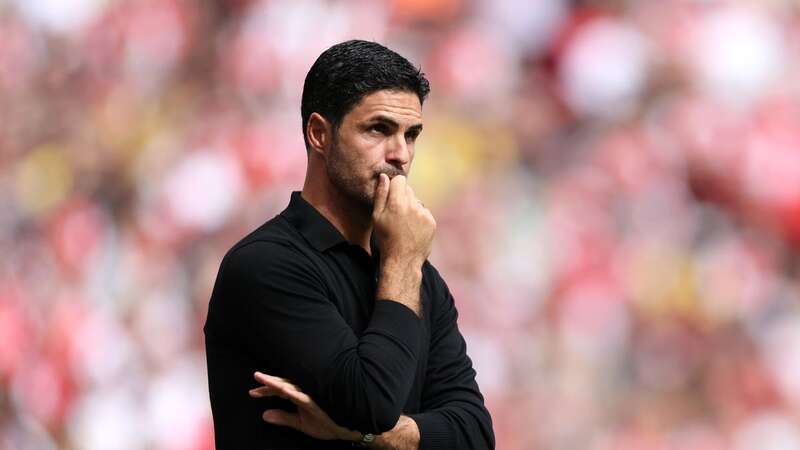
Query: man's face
376, 136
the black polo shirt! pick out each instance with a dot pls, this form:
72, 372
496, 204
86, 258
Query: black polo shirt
294, 299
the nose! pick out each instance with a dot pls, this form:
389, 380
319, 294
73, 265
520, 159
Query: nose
398, 152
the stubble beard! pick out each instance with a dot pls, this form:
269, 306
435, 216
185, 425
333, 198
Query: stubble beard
346, 182
360, 192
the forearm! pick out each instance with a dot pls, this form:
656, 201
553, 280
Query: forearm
404, 436
368, 385
383, 372
404, 230
400, 280
453, 414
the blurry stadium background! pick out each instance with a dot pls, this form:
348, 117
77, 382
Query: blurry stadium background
617, 187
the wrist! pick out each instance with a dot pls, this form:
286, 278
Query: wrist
400, 284
350, 435
407, 264
400, 271
397, 283
357, 439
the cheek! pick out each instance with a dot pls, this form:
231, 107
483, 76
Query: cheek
370, 146
360, 158
370, 151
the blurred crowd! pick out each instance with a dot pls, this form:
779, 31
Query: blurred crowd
616, 183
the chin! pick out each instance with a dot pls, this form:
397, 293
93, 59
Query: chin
360, 198
367, 200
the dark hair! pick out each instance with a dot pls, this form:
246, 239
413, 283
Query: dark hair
346, 72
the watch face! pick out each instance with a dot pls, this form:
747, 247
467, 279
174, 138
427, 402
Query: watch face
369, 437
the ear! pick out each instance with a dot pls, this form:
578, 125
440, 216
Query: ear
319, 132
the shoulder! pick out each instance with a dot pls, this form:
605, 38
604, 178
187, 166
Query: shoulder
273, 248
276, 230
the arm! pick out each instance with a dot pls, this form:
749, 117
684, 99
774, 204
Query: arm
404, 436
313, 421
453, 414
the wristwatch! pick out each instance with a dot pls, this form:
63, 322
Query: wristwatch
365, 439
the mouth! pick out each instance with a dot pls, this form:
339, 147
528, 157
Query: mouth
390, 173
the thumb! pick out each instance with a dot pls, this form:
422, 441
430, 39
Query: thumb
283, 418
381, 194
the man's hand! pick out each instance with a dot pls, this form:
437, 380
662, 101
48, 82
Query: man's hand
309, 419
313, 421
404, 227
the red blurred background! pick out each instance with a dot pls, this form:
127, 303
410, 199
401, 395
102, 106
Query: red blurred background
617, 187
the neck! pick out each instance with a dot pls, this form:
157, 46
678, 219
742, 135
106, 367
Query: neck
351, 219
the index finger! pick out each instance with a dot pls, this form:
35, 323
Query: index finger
381, 193
265, 379
397, 190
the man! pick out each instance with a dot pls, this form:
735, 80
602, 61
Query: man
331, 305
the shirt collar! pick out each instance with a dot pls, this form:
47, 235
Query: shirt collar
314, 227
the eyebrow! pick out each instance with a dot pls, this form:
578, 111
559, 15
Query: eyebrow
391, 122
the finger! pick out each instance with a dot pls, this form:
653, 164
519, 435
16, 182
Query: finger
263, 391
381, 193
284, 389
430, 217
412, 198
413, 201
397, 191
270, 379
295, 396
282, 418
282, 392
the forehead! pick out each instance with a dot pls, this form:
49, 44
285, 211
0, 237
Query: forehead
403, 106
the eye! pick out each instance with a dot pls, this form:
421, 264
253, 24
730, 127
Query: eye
412, 136
378, 128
